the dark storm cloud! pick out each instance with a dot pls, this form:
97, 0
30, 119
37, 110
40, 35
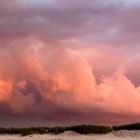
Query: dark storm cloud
92, 21
97, 21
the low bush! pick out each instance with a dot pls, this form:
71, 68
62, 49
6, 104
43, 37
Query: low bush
134, 126
82, 129
89, 129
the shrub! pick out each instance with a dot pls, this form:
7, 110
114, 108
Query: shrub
82, 129
89, 129
134, 126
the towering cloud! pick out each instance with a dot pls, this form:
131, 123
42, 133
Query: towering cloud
74, 62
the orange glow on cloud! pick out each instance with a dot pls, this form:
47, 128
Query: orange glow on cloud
68, 81
5, 90
65, 61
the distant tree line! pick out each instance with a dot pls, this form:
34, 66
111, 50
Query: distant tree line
82, 129
134, 126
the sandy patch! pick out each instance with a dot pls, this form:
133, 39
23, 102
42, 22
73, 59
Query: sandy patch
69, 135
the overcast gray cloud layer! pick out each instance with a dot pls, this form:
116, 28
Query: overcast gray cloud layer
110, 21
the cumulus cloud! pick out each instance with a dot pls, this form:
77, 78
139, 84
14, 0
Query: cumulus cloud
69, 60
49, 81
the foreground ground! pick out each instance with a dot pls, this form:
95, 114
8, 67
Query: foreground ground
69, 135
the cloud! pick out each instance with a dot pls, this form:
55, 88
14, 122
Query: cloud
61, 81
69, 60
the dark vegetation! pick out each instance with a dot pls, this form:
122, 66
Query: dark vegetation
90, 129
82, 129
134, 126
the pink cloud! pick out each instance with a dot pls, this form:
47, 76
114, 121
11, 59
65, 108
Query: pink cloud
70, 60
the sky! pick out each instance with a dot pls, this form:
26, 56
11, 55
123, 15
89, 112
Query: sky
69, 62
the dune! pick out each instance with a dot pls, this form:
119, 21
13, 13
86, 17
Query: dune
126, 133
70, 135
